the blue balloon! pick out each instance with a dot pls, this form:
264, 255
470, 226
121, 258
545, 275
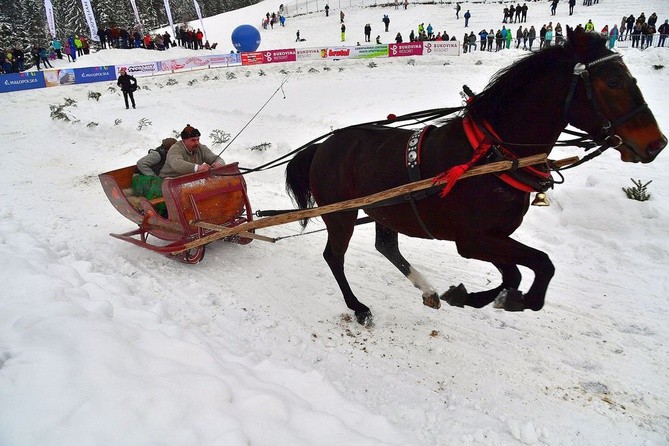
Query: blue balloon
246, 38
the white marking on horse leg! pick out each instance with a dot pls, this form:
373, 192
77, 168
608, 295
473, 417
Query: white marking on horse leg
430, 297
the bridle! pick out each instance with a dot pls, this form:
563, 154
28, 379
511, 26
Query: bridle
607, 137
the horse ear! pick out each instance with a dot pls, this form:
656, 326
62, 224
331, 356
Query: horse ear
580, 41
570, 33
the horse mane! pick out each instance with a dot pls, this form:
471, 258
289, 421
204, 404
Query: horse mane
510, 81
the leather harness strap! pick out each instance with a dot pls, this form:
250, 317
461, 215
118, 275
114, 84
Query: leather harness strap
413, 167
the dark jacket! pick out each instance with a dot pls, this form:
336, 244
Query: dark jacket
127, 83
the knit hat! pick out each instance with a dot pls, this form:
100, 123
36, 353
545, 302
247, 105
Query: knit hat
168, 142
189, 132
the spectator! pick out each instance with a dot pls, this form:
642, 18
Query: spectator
78, 46
457, 10
531, 35
103, 38
341, 16
327, 10
343, 32
44, 58
483, 34
128, 86
368, 32
467, 16
613, 36
19, 57
386, 21
572, 3
57, 47
398, 38
554, 6
664, 31
589, 27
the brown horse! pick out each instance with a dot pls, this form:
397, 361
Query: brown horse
581, 83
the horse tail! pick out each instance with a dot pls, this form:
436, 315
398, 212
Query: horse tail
297, 179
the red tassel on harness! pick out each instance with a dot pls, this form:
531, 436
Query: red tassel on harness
481, 146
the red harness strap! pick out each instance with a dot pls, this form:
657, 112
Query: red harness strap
482, 145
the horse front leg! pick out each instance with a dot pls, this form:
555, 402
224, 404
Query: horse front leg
340, 229
387, 244
505, 253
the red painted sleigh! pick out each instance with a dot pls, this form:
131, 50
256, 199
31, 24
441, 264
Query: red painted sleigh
198, 205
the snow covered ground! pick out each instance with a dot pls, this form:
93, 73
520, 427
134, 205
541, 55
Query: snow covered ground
104, 343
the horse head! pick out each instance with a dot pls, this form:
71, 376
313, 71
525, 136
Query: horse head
605, 101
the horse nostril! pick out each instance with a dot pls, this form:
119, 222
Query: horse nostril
656, 147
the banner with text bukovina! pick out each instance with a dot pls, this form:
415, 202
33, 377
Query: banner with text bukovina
405, 49
441, 48
21, 81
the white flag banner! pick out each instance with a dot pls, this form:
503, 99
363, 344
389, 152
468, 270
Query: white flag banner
168, 11
199, 16
49, 18
90, 19
134, 9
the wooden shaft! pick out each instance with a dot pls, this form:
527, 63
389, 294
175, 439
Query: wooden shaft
215, 227
357, 203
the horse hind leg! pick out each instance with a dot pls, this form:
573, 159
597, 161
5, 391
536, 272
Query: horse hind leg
458, 296
340, 229
387, 244
505, 253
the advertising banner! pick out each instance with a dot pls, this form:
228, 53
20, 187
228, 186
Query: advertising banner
441, 48
48, 7
134, 10
225, 60
369, 51
405, 49
56, 78
90, 19
139, 69
335, 53
94, 74
199, 16
21, 81
199, 62
308, 54
274, 56
252, 58
168, 11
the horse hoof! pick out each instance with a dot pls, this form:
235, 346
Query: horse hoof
364, 318
456, 296
510, 300
432, 301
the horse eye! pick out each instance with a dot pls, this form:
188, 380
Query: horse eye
614, 82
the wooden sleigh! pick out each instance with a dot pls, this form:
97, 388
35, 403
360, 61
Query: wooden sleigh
217, 197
